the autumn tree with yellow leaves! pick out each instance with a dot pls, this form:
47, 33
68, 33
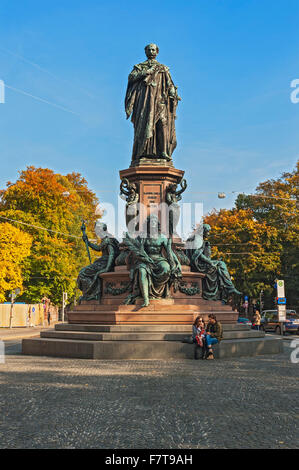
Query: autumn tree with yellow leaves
49, 207
14, 251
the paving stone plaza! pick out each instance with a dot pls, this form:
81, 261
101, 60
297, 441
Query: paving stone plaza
247, 402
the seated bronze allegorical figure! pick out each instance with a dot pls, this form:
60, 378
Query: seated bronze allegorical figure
153, 264
89, 281
217, 284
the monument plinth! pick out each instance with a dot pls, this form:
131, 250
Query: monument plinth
152, 182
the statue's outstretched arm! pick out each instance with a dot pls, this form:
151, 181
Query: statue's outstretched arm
124, 191
94, 246
183, 184
91, 245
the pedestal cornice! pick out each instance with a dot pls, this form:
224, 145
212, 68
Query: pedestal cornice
152, 173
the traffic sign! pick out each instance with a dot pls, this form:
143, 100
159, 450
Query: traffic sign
280, 288
281, 301
282, 313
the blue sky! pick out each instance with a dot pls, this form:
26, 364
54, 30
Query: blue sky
232, 60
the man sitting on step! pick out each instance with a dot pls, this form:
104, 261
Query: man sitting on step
213, 335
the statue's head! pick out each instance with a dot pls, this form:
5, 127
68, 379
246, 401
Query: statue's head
152, 224
100, 229
206, 230
151, 51
172, 187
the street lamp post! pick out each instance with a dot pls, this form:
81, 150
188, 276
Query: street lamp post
261, 301
64, 299
13, 296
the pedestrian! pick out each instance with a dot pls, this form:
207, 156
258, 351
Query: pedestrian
46, 306
29, 316
213, 335
198, 336
49, 318
256, 320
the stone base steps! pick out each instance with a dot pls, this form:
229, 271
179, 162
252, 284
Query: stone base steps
144, 342
144, 336
187, 329
116, 350
181, 317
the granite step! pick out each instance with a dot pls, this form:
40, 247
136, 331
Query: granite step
142, 328
142, 336
165, 350
181, 317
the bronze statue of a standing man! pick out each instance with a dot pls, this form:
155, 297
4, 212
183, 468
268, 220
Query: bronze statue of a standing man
152, 99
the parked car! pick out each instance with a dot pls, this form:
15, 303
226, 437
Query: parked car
269, 322
245, 321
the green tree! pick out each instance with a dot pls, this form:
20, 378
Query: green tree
259, 238
276, 203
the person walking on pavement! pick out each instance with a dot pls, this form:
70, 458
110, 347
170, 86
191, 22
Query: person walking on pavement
257, 320
30, 317
214, 332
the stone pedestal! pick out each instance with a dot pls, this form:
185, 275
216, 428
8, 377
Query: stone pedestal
152, 182
181, 309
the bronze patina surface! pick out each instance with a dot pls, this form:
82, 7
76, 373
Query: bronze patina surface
151, 101
217, 284
89, 281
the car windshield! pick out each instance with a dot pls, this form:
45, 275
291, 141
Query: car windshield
271, 316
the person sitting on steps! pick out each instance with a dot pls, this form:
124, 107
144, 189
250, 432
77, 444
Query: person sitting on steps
213, 335
198, 336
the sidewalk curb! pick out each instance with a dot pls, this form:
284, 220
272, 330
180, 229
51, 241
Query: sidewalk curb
12, 337
25, 334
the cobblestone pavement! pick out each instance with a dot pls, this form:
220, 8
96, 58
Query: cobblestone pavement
75, 403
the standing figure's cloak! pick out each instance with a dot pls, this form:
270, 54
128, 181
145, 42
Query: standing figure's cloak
152, 100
